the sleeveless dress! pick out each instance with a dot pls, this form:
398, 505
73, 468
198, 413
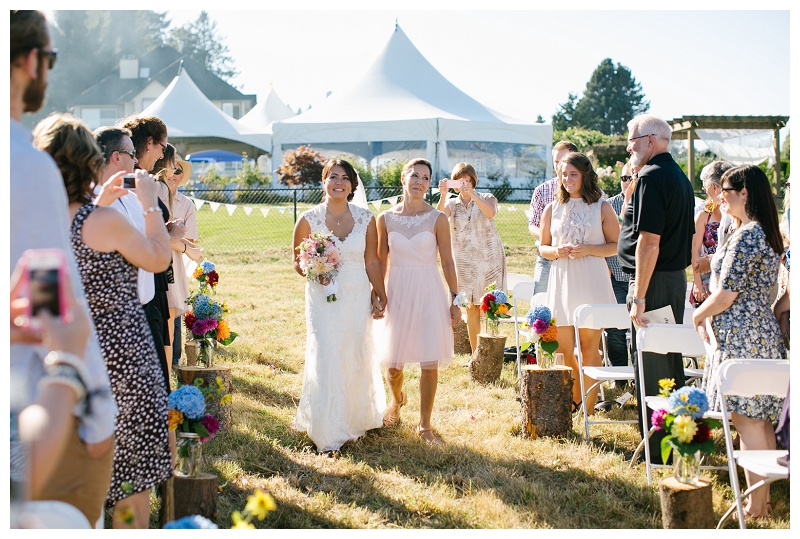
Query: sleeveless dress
416, 328
477, 249
141, 454
343, 394
575, 281
708, 246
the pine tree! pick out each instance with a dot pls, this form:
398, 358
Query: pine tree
200, 41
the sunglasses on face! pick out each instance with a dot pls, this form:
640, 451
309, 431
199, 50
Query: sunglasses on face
178, 171
131, 153
51, 57
626, 178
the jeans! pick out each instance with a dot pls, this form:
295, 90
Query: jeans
666, 288
615, 338
176, 341
541, 274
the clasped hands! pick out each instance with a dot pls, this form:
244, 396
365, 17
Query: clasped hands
571, 250
378, 306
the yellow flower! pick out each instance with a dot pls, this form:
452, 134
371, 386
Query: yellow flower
225, 400
126, 515
174, 418
198, 272
553, 321
239, 523
223, 330
260, 504
219, 384
502, 308
684, 428
666, 385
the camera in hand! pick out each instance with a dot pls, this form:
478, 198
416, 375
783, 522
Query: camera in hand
44, 291
129, 181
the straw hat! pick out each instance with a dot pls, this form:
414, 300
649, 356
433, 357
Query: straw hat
186, 166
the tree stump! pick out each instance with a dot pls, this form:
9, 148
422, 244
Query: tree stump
546, 401
184, 496
209, 376
486, 363
461, 338
686, 506
190, 347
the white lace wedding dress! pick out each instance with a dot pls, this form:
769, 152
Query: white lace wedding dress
343, 394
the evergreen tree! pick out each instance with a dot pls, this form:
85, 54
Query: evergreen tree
562, 119
200, 41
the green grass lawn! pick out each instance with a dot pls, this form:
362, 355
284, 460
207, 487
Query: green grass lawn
485, 475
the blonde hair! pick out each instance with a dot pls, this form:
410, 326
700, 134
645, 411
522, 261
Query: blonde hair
465, 169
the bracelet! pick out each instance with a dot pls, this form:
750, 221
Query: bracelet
455, 294
639, 301
151, 209
59, 357
65, 375
184, 247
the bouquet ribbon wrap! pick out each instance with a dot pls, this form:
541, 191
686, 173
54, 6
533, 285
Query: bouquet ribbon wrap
330, 290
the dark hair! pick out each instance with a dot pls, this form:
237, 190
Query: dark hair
142, 128
590, 192
160, 169
28, 31
73, 148
109, 139
414, 162
760, 204
348, 169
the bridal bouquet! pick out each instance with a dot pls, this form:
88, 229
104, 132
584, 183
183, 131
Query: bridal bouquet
319, 259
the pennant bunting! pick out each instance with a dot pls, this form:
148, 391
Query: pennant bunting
214, 206
512, 208
231, 208
282, 209
247, 210
377, 204
264, 211
198, 203
393, 200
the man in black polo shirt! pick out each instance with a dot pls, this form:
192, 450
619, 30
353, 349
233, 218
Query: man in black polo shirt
655, 246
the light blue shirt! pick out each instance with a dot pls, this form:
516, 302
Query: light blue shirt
40, 220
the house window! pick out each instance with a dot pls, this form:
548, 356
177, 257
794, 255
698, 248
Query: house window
99, 116
232, 109
147, 101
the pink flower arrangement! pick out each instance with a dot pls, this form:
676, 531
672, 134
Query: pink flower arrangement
319, 259
540, 326
211, 424
201, 327
658, 417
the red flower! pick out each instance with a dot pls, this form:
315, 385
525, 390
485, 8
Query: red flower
486, 303
189, 320
213, 278
702, 434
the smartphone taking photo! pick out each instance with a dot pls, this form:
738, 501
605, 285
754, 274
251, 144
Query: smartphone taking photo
129, 181
44, 275
454, 184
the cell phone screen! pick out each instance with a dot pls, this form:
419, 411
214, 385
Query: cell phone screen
129, 181
43, 291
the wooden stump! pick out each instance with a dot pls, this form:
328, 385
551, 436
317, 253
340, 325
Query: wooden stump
686, 506
209, 376
486, 363
190, 347
546, 401
184, 496
461, 339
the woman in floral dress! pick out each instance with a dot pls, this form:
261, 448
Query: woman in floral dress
742, 321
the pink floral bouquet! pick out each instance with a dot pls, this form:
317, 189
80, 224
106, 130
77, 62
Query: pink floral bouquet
320, 261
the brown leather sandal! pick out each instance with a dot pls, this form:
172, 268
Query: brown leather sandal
391, 420
422, 432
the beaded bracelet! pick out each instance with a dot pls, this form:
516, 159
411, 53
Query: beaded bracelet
65, 375
151, 209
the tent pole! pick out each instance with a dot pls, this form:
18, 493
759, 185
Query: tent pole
776, 145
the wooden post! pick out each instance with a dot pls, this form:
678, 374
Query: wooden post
190, 347
690, 156
184, 496
686, 506
486, 363
546, 401
187, 376
776, 145
461, 338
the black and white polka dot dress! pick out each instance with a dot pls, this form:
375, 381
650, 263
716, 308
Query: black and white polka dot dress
141, 456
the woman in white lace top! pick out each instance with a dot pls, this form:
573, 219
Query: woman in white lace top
579, 229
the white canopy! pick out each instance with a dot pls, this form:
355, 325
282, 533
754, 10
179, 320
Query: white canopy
403, 98
740, 146
272, 109
188, 113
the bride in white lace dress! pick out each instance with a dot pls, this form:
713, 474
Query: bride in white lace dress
343, 394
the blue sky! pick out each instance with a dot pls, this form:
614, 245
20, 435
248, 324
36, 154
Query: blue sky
524, 63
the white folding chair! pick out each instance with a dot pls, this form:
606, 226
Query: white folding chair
523, 291
600, 316
747, 378
664, 339
512, 279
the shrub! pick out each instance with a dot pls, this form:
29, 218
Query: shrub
301, 167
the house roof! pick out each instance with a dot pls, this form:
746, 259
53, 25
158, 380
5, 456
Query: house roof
163, 62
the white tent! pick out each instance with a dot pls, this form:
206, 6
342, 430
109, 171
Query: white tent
271, 109
189, 114
402, 107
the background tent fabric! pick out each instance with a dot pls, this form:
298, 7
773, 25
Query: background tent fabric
214, 156
190, 115
402, 107
740, 146
272, 109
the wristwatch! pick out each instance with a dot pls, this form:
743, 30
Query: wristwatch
639, 300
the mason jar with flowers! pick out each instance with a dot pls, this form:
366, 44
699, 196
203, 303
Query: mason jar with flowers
187, 415
688, 432
495, 306
543, 334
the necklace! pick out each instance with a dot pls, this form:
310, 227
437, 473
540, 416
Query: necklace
338, 219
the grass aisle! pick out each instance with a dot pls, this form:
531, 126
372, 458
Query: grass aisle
485, 475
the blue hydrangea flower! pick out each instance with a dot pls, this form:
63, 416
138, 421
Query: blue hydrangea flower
690, 401
192, 522
500, 296
189, 400
539, 311
205, 307
208, 267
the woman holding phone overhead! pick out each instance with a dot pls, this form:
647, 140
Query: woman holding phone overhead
477, 249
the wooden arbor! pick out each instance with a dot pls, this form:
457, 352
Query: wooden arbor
683, 128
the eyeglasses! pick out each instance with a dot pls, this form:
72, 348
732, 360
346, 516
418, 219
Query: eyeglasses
726, 189
131, 153
640, 136
163, 146
51, 57
178, 171
626, 178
